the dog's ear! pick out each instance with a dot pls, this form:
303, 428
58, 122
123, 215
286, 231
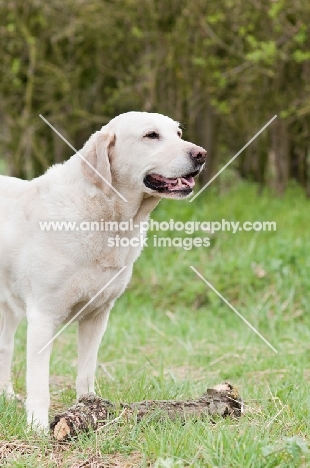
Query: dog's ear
96, 159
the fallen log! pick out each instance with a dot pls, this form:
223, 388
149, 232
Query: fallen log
93, 412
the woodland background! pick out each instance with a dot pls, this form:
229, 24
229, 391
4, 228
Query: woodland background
223, 68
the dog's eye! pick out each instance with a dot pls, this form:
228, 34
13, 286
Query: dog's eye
180, 133
152, 135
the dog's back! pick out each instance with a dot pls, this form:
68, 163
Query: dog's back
11, 187
12, 191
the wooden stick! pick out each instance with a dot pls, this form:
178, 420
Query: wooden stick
93, 412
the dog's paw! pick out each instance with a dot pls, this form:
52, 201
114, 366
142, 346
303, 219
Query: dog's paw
9, 393
37, 420
37, 427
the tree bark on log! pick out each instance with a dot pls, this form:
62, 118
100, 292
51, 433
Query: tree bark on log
93, 412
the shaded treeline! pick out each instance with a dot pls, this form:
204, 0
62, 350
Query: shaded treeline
222, 67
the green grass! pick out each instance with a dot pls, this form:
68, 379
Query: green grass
171, 336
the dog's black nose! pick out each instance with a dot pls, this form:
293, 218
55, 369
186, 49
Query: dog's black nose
198, 154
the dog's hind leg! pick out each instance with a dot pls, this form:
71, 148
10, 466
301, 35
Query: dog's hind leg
9, 324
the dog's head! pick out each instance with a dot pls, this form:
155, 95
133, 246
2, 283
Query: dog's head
143, 151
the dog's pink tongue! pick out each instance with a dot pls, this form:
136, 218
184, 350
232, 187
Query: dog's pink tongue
176, 184
165, 179
190, 181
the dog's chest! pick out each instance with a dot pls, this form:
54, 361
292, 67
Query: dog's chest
120, 248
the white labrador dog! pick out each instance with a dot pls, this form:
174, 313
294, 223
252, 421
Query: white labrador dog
50, 276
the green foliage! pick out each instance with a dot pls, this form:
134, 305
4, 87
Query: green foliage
81, 63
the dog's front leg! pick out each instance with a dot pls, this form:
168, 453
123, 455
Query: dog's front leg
40, 331
91, 331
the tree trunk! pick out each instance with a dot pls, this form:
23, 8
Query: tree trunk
206, 135
279, 163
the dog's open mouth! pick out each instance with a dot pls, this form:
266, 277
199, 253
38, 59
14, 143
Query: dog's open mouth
184, 184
